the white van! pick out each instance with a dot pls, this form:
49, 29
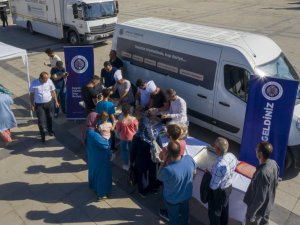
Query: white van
209, 67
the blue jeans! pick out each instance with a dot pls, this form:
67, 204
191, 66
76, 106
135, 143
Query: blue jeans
61, 97
125, 149
178, 213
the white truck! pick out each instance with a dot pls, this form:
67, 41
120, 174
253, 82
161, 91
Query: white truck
78, 21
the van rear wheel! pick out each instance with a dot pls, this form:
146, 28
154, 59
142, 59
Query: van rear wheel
73, 38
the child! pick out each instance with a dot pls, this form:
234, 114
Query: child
105, 127
127, 127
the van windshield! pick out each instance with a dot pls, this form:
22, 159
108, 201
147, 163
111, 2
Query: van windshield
279, 68
101, 10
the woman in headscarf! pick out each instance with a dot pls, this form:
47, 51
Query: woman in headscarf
99, 158
140, 157
7, 118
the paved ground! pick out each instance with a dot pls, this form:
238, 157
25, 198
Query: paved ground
47, 183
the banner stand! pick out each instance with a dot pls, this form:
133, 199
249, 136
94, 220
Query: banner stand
269, 114
79, 63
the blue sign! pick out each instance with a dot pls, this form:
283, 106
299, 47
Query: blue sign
268, 117
79, 63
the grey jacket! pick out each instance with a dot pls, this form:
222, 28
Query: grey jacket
261, 192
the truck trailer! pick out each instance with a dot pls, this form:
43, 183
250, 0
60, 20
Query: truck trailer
78, 21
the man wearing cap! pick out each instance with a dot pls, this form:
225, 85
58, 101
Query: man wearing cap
124, 89
42, 93
58, 77
107, 73
158, 100
177, 110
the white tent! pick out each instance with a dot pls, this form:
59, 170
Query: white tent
9, 52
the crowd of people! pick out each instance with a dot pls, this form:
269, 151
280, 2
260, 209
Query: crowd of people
117, 112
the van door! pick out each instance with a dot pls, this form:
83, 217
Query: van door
230, 100
196, 77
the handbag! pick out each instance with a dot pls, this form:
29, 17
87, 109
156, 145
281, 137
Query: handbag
155, 150
132, 177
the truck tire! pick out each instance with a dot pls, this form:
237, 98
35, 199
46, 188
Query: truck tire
30, 28
73, 38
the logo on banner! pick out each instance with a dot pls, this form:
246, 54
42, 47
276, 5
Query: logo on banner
272, 91
79, 64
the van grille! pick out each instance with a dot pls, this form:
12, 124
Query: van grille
103, 28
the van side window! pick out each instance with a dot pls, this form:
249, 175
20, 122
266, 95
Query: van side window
237, 81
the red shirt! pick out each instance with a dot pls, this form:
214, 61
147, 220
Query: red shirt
127, 128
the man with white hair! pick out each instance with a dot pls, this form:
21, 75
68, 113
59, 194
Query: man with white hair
124, 89
158, 100
221, 183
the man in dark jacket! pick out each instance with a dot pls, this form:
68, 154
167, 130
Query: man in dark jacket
4, 16
261, 192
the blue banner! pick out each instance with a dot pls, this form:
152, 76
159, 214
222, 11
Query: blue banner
79, 63
268, 117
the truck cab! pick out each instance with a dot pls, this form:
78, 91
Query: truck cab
89, 21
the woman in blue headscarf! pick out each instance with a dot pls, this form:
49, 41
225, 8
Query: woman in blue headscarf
140, 157
99, 158
7, 118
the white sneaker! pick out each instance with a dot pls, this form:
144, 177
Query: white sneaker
125, 167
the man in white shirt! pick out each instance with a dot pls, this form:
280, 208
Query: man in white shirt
178, 109
142, 95
42, 91
53, 58
221, 183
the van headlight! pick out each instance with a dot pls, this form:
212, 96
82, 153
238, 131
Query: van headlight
298, 124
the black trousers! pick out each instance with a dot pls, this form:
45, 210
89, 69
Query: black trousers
4, 22
44, 113
141, 172
113, 141
218, 206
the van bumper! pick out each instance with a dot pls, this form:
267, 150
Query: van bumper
95, 38
296, 153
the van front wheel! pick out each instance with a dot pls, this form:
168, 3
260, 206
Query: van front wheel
289, 158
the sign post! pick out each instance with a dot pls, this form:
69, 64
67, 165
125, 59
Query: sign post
268, 117
79, 63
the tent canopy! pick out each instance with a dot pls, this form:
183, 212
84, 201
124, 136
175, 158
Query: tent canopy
9, 52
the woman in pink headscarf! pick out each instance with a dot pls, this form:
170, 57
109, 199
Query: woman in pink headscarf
99, 157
